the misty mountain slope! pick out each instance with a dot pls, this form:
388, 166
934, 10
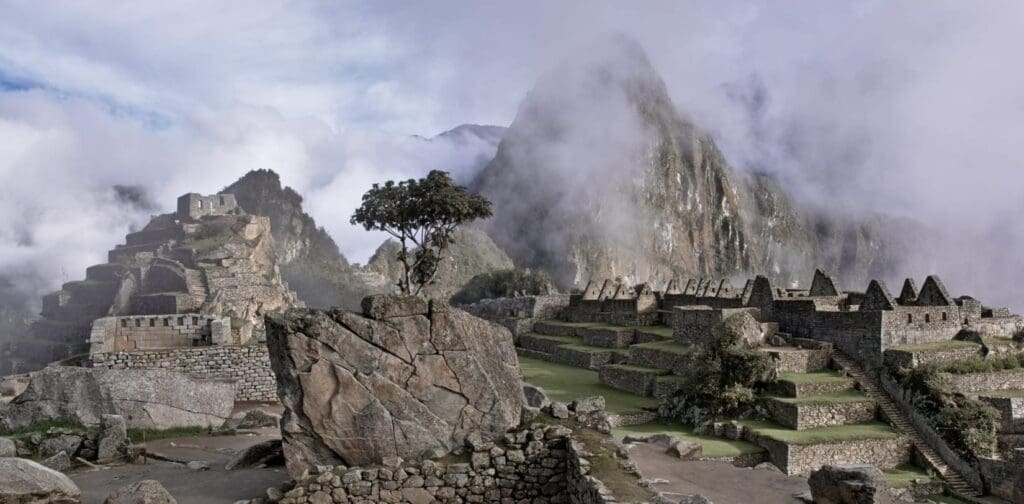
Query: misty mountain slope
472, 253
599, 176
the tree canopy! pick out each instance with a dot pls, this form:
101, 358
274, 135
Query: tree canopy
421, 214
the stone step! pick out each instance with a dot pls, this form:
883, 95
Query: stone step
588, 357
667, 355
123, 252
609, 337
633, 379
810, 412
666, 386
652, 334
546, 343
558, 328
104, 272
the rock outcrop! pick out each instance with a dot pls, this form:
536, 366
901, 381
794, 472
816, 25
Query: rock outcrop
404, 379
146, 399
142, 492
849, 484
26, 482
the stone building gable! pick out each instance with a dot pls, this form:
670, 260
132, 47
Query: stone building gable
909, 293
934, 293
673, 287
761, 294
877, 297
607, 290
691, 287
824, 285
592, 292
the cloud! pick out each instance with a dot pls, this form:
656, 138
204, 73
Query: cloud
910, 108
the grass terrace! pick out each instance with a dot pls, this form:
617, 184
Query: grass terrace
904, 476
714, 447
846, 396
571, 324
661, 331
1005, 394
831, 434
816, 377
566, 340
566, 383
935, 346
666, 346
596, 349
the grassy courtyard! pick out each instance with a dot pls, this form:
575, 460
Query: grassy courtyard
566, 383
714, 447
831, 434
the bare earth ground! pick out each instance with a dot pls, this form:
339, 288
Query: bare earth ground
719, 481
214, 486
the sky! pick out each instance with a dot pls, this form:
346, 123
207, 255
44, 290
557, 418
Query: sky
912, 108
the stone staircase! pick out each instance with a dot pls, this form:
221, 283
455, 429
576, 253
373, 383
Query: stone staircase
196, 283
895, 415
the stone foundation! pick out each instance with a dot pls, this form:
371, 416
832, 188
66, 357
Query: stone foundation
248, 366
541, 465
802, 459
637, 381
794, 360
984, 382
791, 389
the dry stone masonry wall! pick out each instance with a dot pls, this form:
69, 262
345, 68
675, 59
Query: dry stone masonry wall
247, 366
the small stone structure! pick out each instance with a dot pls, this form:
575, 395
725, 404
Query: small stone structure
148, 332
193, 206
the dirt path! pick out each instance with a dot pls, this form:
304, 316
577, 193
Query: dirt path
214, 486
719, 481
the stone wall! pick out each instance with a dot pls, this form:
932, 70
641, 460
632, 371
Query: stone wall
1011, 412
907, 325
984, 382
519, 314
896, 359
248, 366
802, 459
540, 465
809, 416
149, 332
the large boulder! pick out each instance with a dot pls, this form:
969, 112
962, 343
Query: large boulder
142, 492
149, 399
267, 453
24, 481
404, 380
8, 448
849, 484
113, 438
741, 328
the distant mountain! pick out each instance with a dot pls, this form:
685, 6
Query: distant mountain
600, 175
468, 132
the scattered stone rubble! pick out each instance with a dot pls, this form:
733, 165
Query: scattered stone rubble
23, 481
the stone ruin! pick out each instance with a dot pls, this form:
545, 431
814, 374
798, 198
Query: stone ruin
187, 292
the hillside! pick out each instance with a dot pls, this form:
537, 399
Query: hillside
600, 175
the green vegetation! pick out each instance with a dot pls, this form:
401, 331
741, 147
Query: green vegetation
846, 396
977, 364
1019, 336
140, 435
638, 369
904, 476
935, 346
1009, 394
42, 427
721, 381
667, 346
605, 466
967, 425
571, 324
816, 377
566, 383
421, 214
567, 340
830, 434
596, 349
237, 323
504, 283
714, 447
661, 331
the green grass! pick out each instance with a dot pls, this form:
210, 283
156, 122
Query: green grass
846, 396
831, 434
140, 435
44, 426
568, 340
566, 383
571, 324
935, 346
904, 476
1008, 394
661, 331
672, 378
666, 346
605, 466
714, 447
817, 377
595, 349
638, 369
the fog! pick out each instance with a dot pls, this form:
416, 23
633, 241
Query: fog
914, 109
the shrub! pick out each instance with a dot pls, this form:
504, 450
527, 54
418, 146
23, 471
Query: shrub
720, 383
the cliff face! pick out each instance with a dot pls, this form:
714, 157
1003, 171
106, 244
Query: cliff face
599, 175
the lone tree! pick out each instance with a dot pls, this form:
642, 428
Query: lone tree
421, 214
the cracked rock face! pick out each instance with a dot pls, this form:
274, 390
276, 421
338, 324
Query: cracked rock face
415, 378
146, 399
